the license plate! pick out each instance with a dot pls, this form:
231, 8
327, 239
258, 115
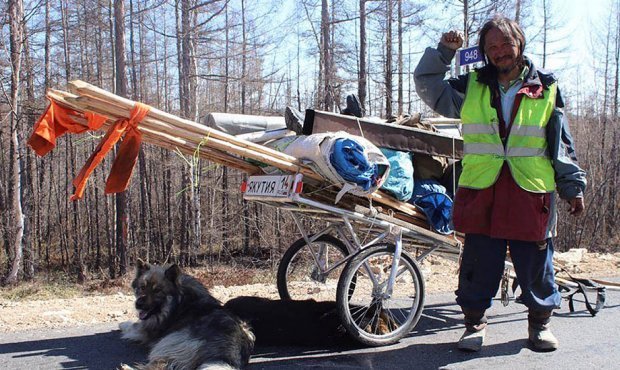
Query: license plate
269, 186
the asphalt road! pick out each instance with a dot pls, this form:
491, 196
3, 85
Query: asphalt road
585, 343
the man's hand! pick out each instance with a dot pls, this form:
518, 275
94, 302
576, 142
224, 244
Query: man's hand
452, 40
576, 206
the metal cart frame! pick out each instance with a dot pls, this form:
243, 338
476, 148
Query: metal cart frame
360, 257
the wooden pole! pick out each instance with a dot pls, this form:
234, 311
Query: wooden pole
170, 132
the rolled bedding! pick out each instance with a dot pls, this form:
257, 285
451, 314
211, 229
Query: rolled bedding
352, 162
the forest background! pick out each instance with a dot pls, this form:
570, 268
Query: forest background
192, 57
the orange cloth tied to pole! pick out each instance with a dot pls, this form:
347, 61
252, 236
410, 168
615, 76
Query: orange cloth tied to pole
55, 122
126, 157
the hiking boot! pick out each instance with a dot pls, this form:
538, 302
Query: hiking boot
475, 330
471, 341
541, 338
294, 120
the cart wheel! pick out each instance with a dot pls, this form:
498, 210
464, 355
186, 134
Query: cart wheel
371, 315
299, 276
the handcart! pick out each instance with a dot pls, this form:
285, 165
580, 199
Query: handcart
359, 257
362, 258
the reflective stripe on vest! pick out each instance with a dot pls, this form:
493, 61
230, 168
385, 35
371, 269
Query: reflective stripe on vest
526, 150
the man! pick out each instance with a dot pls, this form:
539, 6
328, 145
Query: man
518, 157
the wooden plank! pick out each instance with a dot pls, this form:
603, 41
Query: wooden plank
187, 135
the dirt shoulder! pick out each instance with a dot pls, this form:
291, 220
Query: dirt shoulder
115, 304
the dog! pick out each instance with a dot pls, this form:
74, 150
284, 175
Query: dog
184, 325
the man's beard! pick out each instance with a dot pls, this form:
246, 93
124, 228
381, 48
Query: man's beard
509, 68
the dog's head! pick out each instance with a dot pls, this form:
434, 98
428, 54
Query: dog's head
156, 289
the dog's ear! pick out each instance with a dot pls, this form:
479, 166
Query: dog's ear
141, 267
172, 273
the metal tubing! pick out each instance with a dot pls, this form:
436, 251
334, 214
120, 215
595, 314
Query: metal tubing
397, 251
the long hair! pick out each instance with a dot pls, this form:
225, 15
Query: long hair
509, 28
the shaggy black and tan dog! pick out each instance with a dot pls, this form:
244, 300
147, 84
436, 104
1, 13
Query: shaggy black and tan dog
185, 326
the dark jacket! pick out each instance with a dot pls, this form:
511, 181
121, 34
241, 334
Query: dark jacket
446, 96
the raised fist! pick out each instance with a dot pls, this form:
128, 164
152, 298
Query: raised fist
452, 40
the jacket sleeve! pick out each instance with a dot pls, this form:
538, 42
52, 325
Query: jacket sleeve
444, 96
569, 177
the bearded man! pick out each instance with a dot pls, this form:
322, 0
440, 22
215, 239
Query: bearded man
518, 158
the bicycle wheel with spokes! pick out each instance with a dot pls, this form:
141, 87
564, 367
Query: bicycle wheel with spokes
368, 310
307, 271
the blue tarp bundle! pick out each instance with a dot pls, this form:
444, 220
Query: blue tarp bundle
400, 179
352, 162
349, 160
431, 198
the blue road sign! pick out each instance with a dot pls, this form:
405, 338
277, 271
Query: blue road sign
470, 55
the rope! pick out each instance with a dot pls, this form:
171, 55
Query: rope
359, 125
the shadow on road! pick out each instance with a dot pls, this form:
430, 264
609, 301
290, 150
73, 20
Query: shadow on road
430, 345
427, 356
427, 351
96, 351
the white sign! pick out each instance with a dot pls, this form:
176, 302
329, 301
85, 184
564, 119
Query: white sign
269, 186
470, 55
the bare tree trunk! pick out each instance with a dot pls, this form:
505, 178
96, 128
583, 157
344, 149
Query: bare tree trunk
226, 60
190, 224
298, 73
16, 15
465, 23
144, 234
400, 57
111, 15
122, 211
388, 60
167, 184
362, 76
409, 84
518, 11
132, 52
369, 107
244, 203
78, 260
64, 12
46, 47
326, 52
99, 44
189, 52
189, 21
27, 188
334, 89
185, 220
604, 112
225, 198
244, 57
545, 5
99, 73
617, 57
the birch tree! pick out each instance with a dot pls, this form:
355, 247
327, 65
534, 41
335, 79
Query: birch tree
122, 211
362, 75
16, 26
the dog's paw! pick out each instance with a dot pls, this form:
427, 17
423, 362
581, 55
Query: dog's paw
125, 367
126, 326
131, 331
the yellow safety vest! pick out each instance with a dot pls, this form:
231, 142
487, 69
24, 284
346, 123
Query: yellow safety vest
525, 151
